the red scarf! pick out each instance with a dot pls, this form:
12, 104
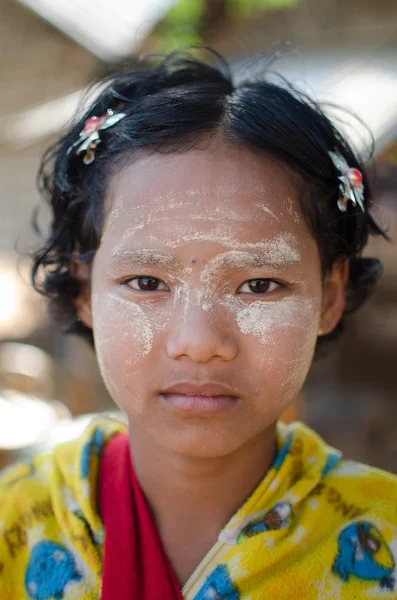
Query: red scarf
135, 563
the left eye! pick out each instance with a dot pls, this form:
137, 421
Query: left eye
146, 284
258, 286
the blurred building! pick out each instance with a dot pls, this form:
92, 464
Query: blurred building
343, 52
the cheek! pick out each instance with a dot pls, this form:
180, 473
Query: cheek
286, 331
123, 337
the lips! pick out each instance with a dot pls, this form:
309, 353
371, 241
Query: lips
199, 398
199, 389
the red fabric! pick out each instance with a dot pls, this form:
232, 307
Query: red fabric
135, 563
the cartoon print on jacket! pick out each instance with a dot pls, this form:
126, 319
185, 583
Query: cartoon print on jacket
218, 586
363, 553
276, 518
51, 567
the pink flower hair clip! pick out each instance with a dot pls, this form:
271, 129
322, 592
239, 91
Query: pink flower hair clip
89, 137
351, 186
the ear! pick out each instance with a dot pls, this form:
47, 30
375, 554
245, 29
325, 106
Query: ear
82, 303
334, 297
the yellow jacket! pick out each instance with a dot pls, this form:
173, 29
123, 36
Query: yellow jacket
316, 527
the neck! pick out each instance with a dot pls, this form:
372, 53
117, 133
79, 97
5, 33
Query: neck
198, 492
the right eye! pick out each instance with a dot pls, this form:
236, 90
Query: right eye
146, 284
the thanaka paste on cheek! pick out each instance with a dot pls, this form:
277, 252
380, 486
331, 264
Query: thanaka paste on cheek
123, 323
261, 318
268, 320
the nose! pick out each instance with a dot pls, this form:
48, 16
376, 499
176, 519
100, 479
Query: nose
201, 335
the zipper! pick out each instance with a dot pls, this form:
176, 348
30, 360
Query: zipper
217, 550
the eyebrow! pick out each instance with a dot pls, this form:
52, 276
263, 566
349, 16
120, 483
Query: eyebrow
141, 257
260, 260
253, 262
235, 259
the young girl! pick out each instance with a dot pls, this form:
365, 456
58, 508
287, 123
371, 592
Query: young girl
206, 239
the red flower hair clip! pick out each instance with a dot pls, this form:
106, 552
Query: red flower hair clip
351, 186
89, 137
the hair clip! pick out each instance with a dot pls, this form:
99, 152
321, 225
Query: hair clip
351, 186
89, 137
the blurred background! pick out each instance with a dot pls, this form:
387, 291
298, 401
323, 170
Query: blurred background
340, 51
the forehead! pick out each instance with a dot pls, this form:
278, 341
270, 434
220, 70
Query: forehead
225, 191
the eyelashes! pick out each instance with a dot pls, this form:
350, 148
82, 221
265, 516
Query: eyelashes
258, 286
147, 284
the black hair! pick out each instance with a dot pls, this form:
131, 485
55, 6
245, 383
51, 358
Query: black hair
171, 105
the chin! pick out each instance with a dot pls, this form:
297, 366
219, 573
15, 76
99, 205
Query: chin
203, 443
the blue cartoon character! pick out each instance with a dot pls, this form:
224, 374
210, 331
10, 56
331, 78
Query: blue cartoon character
218, 586
276, 518
51, 567
92, 447
363, 553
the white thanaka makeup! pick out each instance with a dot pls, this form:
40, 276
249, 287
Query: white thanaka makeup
257, 316
260, 318
282, 250
113, 219
221, 234
173, 201
134, 326
264, 208
213, 213
297, 366
289, 206
279, 250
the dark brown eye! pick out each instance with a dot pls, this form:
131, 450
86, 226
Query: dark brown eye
146, 284
259, 286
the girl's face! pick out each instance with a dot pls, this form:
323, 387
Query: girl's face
206, 272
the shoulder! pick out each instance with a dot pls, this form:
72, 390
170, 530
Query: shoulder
338, 477
353, 495
372, 486
47, 507
60, 464
342, 489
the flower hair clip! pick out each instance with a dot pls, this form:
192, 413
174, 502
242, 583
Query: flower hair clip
351, 186
89, 137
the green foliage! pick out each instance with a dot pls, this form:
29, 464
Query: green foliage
185, 12
250, 7
181, 25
